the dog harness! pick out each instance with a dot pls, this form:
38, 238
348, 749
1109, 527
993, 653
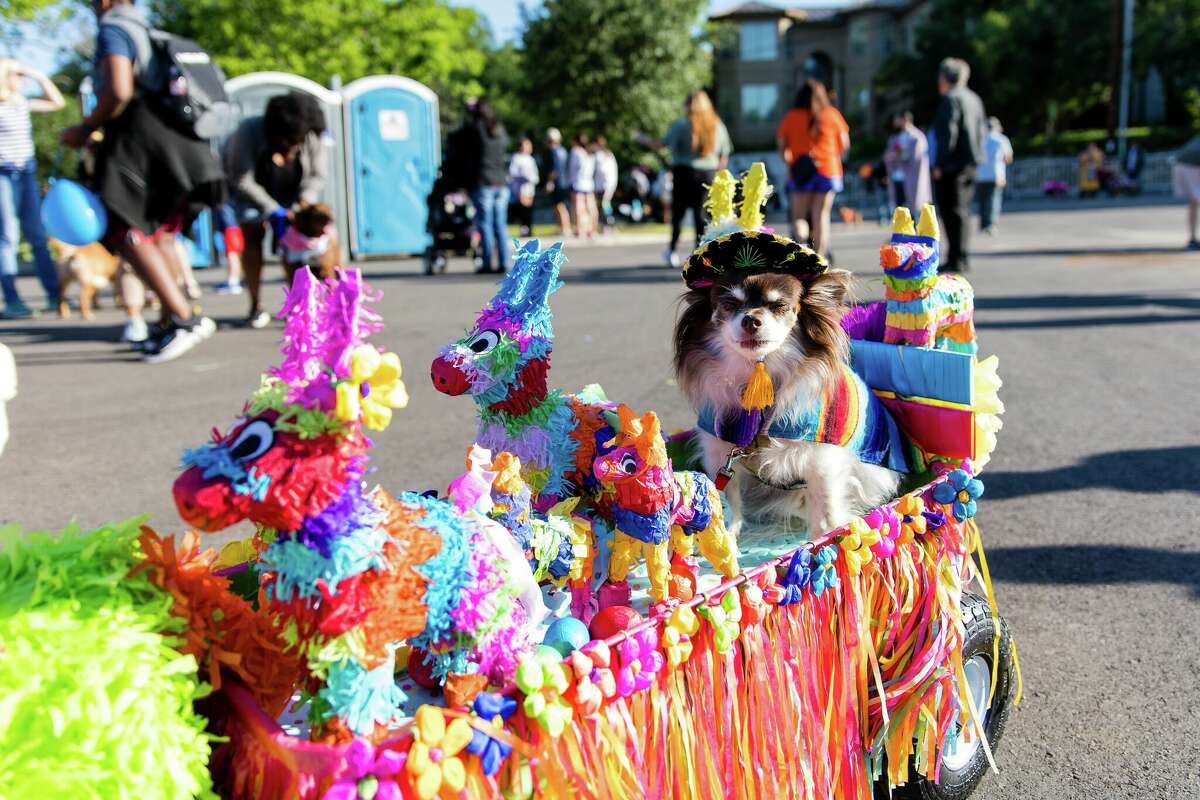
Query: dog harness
303, 249
849, 415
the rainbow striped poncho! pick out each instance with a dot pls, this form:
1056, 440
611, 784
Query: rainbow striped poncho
849, 415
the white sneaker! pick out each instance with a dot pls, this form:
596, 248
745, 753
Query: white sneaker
260, 320
135, 331
228, 287
204, 327
171, 346
672, 259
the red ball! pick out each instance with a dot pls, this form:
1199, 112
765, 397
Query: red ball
613, 620
420, 671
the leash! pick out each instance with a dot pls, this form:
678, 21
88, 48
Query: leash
725, 473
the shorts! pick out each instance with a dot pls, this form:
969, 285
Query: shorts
1186, 179
119, 234
818, 183
561, 194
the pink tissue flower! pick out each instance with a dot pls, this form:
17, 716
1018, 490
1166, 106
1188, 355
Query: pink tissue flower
641, 661
365, 769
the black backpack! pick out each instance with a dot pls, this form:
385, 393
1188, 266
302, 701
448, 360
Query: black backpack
179, 79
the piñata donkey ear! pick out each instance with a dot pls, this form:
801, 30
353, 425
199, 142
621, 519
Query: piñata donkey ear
524, 295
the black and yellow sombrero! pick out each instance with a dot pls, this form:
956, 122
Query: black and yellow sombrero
739, 245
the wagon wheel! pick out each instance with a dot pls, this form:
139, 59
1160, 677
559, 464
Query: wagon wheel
963, 768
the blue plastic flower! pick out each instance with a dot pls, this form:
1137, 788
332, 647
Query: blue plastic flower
494, 709
960, 491
824, 574
798, 575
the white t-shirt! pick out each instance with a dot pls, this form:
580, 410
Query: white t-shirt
16, 132
581, 170
995, 163
522, 174
606, 172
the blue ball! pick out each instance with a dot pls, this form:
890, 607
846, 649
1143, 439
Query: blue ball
566, 635
72, 214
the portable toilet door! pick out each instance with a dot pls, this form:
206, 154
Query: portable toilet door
250, 93
392, 157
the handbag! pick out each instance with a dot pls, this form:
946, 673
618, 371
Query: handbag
803, 170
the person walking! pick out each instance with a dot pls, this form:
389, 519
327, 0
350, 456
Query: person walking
699, 145
522, 184
485, 175
152, 178
276, 164
960, 125
908, 153
813, 136
581, 175
607, 177
1185, 175
993, 176
20, 198
556, 180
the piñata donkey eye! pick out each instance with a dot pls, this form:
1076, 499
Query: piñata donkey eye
629, 465
254, 440
483, 342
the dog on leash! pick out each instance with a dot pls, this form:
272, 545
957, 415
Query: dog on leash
311, 240
91, 266
786, 428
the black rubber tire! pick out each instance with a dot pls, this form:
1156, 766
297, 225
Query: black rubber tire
958, 784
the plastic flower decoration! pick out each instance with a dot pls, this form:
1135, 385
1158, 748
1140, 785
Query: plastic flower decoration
677, 635
960, 491
494, 709
887, 522
911, 509
640, 662
434, 760
544, 680
594, 680
824, 574
754, 604
798, 575
856, 545
367, 774
373, 389
725, 620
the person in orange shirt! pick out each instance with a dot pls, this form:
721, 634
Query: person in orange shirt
812, 138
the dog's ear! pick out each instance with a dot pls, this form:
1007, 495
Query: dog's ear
831, 289
692, 325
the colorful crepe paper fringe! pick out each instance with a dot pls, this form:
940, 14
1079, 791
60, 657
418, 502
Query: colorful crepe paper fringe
96, 700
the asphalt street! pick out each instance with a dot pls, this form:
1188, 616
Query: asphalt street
1091, 515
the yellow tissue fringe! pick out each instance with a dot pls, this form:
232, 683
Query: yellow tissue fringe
720, 195
902, 222
760, 390
755, 190
928, 225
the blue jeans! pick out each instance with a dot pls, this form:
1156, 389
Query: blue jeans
21, 212
990, 197
491, 218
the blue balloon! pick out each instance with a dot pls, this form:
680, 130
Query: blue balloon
72, 214
566, 635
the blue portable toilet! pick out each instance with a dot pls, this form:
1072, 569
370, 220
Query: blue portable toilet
393, 148
249, 93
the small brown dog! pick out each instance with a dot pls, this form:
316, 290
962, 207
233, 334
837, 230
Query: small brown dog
92, 266
311, 240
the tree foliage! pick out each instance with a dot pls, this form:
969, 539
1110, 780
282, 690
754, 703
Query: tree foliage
440, 45
612, 67
1043, 67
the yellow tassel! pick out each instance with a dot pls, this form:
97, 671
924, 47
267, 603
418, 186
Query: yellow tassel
720, 195
902, 222
755, 190
760, 391
928, 226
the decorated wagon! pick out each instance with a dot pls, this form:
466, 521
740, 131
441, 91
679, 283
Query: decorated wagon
502, 640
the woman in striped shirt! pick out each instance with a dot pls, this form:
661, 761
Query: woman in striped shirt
20, 198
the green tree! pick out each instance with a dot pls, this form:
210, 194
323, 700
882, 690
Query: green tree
613, 67
440, 45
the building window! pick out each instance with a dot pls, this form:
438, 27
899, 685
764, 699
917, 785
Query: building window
760, 103
859, 35
759, 41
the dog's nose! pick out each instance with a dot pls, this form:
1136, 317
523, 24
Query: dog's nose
751, 324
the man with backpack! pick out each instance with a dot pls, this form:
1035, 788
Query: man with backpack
154, 168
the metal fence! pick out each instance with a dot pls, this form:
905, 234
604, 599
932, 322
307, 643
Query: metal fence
1026, 177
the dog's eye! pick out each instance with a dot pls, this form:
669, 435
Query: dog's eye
629, 465
254, 440
483, 342
729, 304
779, 308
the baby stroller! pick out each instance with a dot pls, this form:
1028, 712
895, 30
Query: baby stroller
451, 226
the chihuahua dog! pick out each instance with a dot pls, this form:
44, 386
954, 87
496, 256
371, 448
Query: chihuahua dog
312, 241
793, 327
92, 266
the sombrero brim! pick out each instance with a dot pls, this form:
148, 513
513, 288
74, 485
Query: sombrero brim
735, 255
